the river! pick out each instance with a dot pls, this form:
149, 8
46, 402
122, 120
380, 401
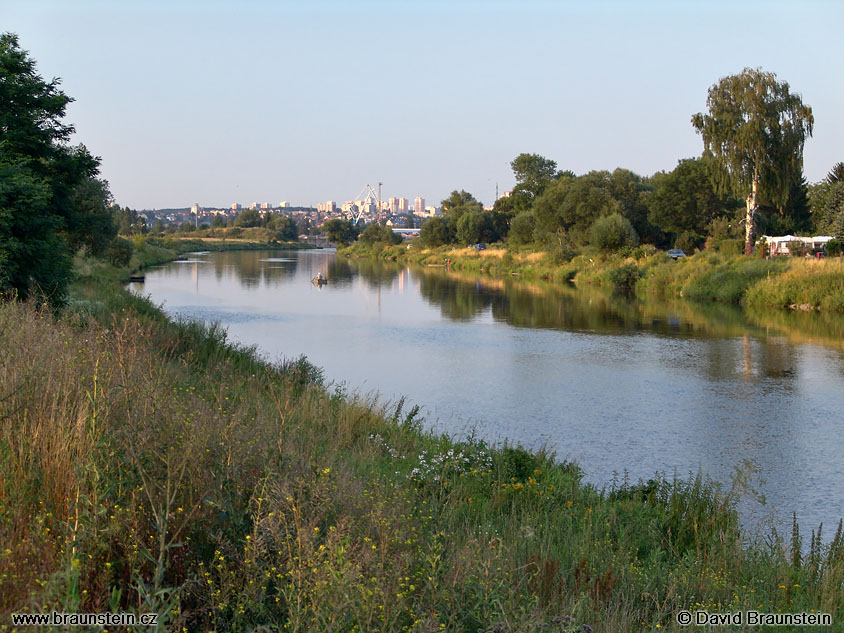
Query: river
626, 387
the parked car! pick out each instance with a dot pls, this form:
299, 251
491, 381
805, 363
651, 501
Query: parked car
480, 246
676, 253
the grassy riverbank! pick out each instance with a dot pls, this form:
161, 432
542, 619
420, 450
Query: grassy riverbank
782, 282
147, 466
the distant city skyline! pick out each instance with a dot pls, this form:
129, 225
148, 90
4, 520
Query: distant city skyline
192, 101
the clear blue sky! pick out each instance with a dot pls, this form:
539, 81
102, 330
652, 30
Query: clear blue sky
220, 101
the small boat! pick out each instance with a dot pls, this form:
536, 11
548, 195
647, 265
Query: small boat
319, 280
137, 278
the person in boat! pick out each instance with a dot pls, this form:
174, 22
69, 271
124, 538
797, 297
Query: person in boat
320, 277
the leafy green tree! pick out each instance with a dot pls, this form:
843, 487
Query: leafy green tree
340, 231
458, 203
630, 190
457, 199
119, 251
755, 131
522, 228
569, 206
218, 222
481, 226
827, 203
438, 232
374, 233
533, 174
284, 227
248, 218
51, 202
127, 221
688, 241
505, 205
685, 199
836, 174
612, 232
792, 217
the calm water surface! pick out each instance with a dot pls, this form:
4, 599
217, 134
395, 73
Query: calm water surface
622, 386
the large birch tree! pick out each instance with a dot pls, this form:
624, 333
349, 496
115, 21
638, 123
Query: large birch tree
755, 130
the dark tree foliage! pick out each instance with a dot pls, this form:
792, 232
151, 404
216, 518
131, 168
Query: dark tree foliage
569, 206
457, 199
342, 232
836, 174
376, 234
827, 202
51, 201
505, 205
794, 216
248, 218
685, 199
128, 221
612, 232
630, 190
481, 226
522, 228
459, 203
533, 174
438, 232
284, 227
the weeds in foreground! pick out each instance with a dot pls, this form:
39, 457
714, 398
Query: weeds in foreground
152, 466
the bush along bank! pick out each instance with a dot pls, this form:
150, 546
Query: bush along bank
794, 282
177, 474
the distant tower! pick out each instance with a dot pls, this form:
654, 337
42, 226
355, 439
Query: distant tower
418, 205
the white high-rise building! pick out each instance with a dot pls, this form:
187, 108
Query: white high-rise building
236, 206
418, 205
402, 205
393, 205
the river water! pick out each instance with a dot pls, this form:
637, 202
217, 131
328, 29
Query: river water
625, 387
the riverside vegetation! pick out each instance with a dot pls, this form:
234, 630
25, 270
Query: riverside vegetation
151, 466
720, 275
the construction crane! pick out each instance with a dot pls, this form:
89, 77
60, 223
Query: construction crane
356, 216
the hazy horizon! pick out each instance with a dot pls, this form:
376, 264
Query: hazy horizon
211, 103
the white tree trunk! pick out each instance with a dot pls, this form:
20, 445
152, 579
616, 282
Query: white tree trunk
752, 205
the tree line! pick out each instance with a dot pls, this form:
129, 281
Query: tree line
748, 181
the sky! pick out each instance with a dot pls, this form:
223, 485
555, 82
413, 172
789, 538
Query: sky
216, 102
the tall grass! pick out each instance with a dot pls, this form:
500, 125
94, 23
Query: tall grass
808, 284
152, 466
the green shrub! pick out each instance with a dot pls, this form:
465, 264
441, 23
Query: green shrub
522, 228
833, 248
643, 251
625, 276
729, 247
120, 251
796, 248
612, 232
687, 241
